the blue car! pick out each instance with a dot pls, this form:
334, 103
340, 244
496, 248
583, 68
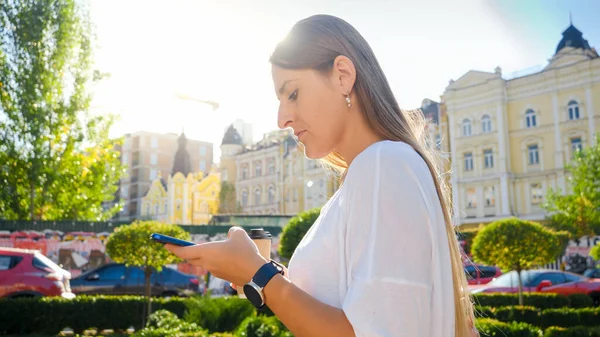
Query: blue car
117, 279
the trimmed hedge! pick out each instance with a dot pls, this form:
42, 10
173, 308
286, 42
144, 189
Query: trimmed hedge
49, 315
491, 327
563, 317
211, 316
572, 332
538, 300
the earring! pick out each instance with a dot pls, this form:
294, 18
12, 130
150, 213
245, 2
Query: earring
348, 100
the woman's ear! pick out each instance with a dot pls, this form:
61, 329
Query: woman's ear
344, 74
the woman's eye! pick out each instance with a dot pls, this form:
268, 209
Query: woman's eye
293, 95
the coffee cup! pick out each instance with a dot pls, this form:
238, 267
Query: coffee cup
262, 239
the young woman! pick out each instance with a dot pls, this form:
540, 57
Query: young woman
382, 259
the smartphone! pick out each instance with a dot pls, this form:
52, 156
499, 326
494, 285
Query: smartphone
164, 239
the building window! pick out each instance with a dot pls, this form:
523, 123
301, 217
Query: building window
202, 150
438, 141
154, 142
534, 154
489, 193
271, 194
257, 169
530, 118
257, 197
153, 159
244, 198
466, 127
202, 166
471, 198
124, 159
244, 172
156, 209
537, 194
125, 192
153, 174
486, 124
147, 212
271, 167
576, 146
469, 161
488, 158
295, 194
178, 204
573, 110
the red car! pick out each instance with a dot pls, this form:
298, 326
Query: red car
480, 274
545, 281
28, 273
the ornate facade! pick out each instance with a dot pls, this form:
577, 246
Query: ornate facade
511, 139
184, 198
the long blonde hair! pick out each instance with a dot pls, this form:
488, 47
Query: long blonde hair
314, 43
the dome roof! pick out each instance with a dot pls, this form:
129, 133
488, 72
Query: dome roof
231, 137
573, 38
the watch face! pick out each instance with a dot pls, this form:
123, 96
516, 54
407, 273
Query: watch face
253, 296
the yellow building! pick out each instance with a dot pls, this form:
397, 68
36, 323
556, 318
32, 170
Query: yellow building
185, 198
510, 139
273, 176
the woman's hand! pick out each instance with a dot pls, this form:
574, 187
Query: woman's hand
236, 259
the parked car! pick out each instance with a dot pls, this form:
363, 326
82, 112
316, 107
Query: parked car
592, 273
28, 273
480, 274
117, 279
544, 281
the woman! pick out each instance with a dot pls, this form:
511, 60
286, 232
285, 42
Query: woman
382, 258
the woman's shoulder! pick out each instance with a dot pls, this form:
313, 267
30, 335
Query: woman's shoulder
387, 154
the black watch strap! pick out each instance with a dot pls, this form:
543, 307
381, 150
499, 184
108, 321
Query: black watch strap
266, 273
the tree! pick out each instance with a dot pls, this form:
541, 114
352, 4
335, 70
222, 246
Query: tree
514, 244
295, 230
595, 252
131, 245
228, 203
579, 211
57, 160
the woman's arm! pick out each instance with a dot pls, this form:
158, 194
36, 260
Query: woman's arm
302, 314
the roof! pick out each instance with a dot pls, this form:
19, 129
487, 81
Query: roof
573, 38
182, 162
231, 137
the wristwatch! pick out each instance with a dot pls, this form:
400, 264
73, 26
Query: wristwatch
254, 289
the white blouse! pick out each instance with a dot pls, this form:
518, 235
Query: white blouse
379, 249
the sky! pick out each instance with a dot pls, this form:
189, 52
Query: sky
157, 51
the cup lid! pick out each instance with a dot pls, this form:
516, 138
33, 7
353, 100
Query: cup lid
259, 233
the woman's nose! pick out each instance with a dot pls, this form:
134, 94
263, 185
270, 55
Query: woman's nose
284, 117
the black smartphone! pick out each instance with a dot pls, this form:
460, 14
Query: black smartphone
164, 239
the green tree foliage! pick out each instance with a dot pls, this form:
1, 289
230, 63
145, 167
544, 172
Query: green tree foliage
228, 203
57, 160
131, 245
595, 252
514, 244
579, 211
295, 230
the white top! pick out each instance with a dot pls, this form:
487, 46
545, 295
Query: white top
379, 249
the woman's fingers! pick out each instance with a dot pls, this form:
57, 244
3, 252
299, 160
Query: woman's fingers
188, 253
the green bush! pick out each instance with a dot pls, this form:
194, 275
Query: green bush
49, 315
218, 314
541, 301
580, 301
295, 230
491, 327
578, 331
262, 326
563, 317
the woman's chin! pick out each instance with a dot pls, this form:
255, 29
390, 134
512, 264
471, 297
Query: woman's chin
312, 153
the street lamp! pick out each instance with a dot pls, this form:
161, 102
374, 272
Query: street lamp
185, 97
